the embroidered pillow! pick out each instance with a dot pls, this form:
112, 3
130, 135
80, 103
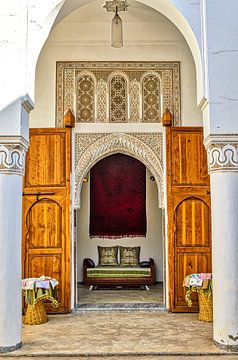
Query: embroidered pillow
107, 256
129, 256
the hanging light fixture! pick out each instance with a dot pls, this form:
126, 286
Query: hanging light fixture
116, 25
117, 32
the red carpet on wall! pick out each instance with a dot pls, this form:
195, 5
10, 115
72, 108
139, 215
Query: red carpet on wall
118, 198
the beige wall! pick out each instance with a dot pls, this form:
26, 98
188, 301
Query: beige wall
151, 246
85, 35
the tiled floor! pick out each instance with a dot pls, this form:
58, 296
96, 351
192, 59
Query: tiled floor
121, 335
154, 295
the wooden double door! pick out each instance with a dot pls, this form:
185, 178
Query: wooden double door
47, 210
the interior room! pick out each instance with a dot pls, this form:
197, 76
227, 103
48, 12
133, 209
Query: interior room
150, 243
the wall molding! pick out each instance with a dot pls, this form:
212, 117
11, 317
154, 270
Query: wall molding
222, 153
13, 155
92, 147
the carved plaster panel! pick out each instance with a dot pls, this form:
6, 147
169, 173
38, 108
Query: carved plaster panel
102, 92
222, 153
85, 99
151, 99
146, 147
13, 155
169, 89
134, 101
118, 99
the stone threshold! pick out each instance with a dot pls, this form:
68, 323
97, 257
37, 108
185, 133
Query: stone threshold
119, 355
121, 307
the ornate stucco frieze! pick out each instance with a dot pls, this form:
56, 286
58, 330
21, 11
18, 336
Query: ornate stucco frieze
121, 92
222, 153
12, 155
91, 147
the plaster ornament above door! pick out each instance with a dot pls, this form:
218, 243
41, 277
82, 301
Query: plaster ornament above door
117, 92
92, 147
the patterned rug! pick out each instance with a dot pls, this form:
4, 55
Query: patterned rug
119, 287
118, 198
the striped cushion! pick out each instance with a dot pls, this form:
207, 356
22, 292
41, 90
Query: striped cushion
118, 272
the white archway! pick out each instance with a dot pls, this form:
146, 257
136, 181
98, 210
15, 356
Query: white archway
188, 23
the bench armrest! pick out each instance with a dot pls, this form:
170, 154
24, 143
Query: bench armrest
88, 263
147, 263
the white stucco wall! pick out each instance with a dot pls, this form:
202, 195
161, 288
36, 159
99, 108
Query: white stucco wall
148, 36
151, 246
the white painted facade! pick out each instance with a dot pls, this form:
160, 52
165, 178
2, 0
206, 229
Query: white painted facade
209, 28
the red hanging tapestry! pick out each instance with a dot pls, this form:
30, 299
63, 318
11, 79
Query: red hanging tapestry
118, 198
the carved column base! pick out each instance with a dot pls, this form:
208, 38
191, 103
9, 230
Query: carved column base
6, 349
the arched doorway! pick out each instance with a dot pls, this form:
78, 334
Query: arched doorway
121, 192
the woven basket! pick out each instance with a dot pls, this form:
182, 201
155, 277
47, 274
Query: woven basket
205, 306
35, 314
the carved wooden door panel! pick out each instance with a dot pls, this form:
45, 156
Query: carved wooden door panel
189, 231
46, 210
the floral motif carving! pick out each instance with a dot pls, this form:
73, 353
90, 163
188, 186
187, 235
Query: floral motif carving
90, 148
102, 92
68, 89
85, 99
134, 101
12, 156
222, 155
102, 72
151, 98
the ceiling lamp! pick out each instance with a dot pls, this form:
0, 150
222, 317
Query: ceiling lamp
116, 26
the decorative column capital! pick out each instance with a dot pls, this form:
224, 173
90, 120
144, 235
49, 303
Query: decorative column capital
12, 155
222, 153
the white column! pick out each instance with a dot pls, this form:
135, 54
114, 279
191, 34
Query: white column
13, 147
10, 261
223, 167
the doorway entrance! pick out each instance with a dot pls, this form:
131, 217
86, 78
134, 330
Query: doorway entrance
119, 212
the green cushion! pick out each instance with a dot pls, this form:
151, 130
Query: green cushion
108, 256
129, 256
118, 272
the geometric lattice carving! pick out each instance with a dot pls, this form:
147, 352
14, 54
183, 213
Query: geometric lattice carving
92, 147
134, 101
111, 81
85, 99
151, 99
118, 99
102, 92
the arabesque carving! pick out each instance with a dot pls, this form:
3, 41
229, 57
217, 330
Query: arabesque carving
125, 104
146, 147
